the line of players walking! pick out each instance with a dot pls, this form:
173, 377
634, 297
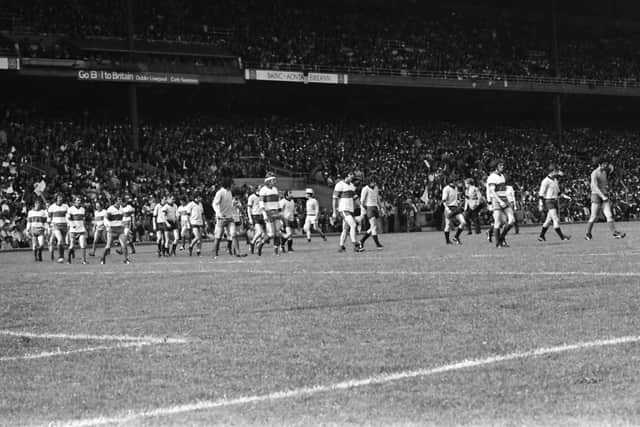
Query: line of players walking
500, 199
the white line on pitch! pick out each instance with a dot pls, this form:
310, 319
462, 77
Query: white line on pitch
84, 337
346, 385
351, 272
55, 353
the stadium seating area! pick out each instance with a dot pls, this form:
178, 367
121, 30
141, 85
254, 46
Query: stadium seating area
400, 36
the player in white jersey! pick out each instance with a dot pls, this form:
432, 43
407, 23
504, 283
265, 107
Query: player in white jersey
128, 222
197, 223
270, 207
171, 232
371, 207
36, 227
548, 199
288, 209
453, 213
343, 204
472, 205
99, 230
254, 213
312, 210
185, 226
77, 231
600, 200
503, 216
115, 230
159, 223
58, 225
224, 209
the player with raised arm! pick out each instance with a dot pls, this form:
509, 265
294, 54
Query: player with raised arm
503, 216
600, 199
343, 204
224, 209
452, 210
58, 225
270, 207
548, 199
254, 214
197, 222
312, 210
115, 230
36, 227
370, 206
77, 231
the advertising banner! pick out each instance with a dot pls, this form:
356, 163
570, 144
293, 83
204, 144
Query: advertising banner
136, 77
296, 76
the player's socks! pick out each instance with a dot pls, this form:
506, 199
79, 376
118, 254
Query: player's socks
559, 233
503, 235
61, 251
216, 247
190, 250
133, 248
457, 237
84, 255
229, 247
446, 238
69, 256
378, 244
35, 255
365, 237
589, 228
490, 234
290, 245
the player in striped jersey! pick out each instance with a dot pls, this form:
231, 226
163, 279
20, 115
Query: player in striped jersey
370, 206
503, 216
115, 230
128, 222
312, 209
270, 207
36, 225
159, 224
99, 231
77, 230
57, 213
185, 226
255, 218
548, 199
343, 203
600, 200
288, 209
197, 222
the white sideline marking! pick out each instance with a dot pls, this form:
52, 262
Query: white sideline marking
121, 338
346, 385
80, 350
350, 272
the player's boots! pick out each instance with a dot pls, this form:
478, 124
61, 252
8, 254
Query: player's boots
588, 236
618, 235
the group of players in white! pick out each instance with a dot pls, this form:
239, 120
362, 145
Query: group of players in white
272, 218
500, 199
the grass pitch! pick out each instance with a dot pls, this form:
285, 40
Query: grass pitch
381, 334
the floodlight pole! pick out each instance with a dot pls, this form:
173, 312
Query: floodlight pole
133, 91
555, 63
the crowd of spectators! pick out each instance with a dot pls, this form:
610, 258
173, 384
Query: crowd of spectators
412, 160
402, 36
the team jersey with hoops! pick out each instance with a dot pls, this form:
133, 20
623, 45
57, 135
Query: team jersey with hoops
58, 216
127, 216
344, 193
75, 219
472, 194
98, 219
183, 214
196, 214
500, 183
36, 221
253, 204
270, 202
288, 208
113, 219
312, 207
549, 188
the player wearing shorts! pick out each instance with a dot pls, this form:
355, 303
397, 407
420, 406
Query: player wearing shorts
57, 213
312, 210
77, 231
99, 231
159, 224
503, 216
197, 223
128, 222
224, 210
548, 200
115, 230
36, 227
600, 200
185, 226
288, 209
171, 232
343, 204
452, 210
254, 214
270, 207
370, 206
472, 205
